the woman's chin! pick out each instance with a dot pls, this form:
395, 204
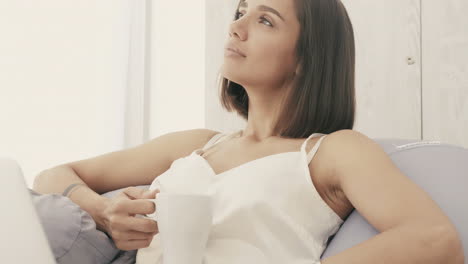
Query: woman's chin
231, 73
230, 77
226, 72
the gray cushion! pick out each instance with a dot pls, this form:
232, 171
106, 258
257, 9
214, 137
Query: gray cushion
439, 169
71, 231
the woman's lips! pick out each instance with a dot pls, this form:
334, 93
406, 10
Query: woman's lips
231, 52
231, 47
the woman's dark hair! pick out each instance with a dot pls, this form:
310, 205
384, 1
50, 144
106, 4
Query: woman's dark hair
322, 98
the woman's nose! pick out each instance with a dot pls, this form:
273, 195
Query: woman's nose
237, 30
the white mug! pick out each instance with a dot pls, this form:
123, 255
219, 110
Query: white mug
184, 223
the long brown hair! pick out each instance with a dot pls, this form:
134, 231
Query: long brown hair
322, 98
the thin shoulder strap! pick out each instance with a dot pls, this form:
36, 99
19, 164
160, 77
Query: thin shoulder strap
312, 152
218, 138
213, 140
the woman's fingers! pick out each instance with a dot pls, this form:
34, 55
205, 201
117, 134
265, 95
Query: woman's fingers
138, 193
133, 192
142, 225
136, 235
123, 223
134, 244
136, 207
150, 194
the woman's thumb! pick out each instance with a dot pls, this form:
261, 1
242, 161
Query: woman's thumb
150, 193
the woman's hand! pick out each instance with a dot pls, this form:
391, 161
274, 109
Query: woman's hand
119, 221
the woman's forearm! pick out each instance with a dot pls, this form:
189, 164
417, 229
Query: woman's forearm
57, 179
408, 244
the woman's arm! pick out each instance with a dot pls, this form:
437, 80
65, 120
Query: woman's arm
57, 179
130, 167
413, 228
404, 244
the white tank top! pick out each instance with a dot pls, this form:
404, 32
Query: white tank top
264, 211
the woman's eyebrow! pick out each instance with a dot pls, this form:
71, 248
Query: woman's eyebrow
263, 8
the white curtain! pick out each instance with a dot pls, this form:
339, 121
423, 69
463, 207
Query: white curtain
138, 82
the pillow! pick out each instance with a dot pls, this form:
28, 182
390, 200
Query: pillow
72, 232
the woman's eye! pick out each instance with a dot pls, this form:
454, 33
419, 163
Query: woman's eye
269, 23
238, 15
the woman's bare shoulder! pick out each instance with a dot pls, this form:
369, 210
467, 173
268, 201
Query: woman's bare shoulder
333, 148
323, 167
186, 141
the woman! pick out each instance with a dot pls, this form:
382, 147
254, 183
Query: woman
289, 72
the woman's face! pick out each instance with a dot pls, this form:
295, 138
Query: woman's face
266, 32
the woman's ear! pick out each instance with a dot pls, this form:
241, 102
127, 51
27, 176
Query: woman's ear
298, 69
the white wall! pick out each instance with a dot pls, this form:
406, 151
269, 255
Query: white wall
177, 66
219, 15
62, 79
445, 70
72, 76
